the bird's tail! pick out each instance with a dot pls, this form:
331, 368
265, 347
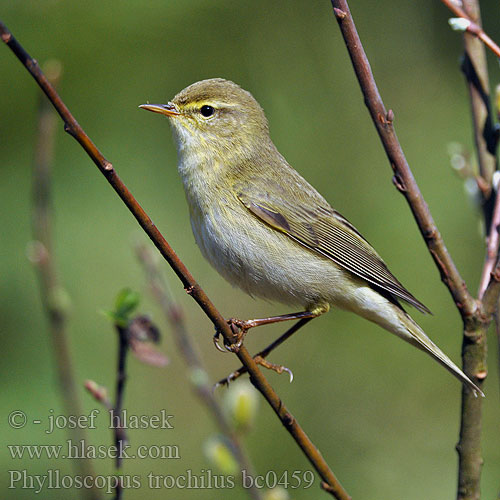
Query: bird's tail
419, 339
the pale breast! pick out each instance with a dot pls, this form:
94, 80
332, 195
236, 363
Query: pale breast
260, 260
249, 254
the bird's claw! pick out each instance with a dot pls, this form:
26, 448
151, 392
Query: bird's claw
239, 329
225, 381
279, 369
215, 339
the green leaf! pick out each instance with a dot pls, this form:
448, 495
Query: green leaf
125, 304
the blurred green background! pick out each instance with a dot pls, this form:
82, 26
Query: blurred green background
383, 414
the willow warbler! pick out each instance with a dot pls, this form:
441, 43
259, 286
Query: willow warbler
266, 229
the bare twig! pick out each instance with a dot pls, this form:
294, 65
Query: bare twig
476, 316
475, 69
120, 434
492, 244
486, 137
100, 394
191, 286
474, 346
116, 410
473, 27
51, 291
403, 177
198, 375
121, 378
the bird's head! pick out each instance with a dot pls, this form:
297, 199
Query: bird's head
215, 115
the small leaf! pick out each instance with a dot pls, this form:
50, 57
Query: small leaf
110, 315
126, 302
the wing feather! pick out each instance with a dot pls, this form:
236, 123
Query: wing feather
320, 228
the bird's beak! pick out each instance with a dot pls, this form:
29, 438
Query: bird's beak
168, 109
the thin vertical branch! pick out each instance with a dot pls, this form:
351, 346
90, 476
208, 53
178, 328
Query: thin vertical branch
403, 176
121, 378
475, 69
198, 375
51, 291
257, 378
120, 434
100, 394
475, 315
476, 73
474, 353
116, 411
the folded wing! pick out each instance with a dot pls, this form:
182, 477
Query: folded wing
311, 222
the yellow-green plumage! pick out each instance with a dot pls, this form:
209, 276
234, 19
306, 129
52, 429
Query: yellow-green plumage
266, 229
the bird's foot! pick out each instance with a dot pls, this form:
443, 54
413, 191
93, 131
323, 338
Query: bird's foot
239, 329
279, 369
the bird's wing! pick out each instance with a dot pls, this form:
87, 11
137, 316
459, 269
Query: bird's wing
310, 221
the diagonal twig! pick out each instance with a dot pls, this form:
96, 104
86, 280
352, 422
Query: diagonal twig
198, 374
191, 286
472, 27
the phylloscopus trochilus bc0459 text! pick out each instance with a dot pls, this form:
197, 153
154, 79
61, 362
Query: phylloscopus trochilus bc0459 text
267, 230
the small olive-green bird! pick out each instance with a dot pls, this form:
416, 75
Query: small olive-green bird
266, 229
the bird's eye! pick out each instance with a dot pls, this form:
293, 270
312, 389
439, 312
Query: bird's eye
207, 110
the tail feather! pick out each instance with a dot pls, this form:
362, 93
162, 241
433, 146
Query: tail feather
419, 339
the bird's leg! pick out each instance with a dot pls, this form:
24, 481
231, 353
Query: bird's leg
251, 323
265, 352
240, 327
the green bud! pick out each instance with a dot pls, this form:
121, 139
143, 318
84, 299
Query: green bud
198, 377
241, 402
218, 453
278, 493
125, 303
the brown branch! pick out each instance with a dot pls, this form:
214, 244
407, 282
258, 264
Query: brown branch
469, 445
191, 286
473, 27
403, 177
492, 246
476, 316
51, 291
475, 69
198, 375
474, 347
